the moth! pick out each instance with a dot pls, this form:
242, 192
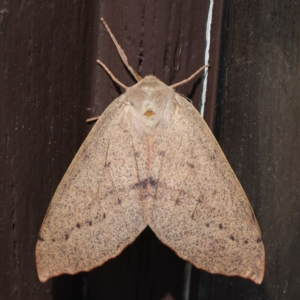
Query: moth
150, 160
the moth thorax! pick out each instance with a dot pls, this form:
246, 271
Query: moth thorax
151, 98
150, 108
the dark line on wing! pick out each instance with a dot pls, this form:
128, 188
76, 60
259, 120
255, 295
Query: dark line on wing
159, 171
106, 164
137, 168
119, 200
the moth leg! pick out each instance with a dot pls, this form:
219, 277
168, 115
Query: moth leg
114, 79
92, 119
121, 52
188, 79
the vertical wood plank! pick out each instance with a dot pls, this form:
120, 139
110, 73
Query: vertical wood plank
44, 59
259, 135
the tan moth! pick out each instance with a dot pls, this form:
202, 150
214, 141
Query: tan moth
150, 160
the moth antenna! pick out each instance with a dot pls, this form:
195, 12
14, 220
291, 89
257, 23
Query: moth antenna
191, 77
111, 75
121, 52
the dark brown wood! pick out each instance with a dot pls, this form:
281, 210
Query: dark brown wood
45, 75
214, 57
260, 135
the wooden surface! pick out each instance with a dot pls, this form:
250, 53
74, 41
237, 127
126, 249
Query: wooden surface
259, 133
51, 84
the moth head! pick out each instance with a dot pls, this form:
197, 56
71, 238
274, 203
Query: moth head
152, 103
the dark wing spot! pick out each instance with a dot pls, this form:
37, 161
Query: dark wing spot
90, 223
246, 242
78, 225
66, 236
107, 164
85, 157
104, 215
212, 157
144, 183
221, 226
207, 225
186, 233
259, 240
181, 195
191, 165
119, 201
40, 238
152, 181
136, 185
232, 238
53, 240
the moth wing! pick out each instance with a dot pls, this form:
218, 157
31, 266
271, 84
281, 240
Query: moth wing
200, 209
95, 212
